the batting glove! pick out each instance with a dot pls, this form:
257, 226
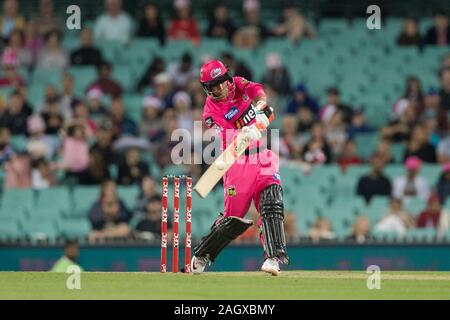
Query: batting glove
252, 132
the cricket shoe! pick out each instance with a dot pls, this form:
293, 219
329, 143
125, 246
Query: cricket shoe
198, 264
271, 266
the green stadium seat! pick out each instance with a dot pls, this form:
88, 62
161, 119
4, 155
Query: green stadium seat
19, 143
39, 229
421, 235
128, 194
388, 237
431, 172
83, 77
394, 170
415, 205
366, 144
57, 198
14, 200
124, 76
83, 198
9, 229
398, 151
46, 76
74, 228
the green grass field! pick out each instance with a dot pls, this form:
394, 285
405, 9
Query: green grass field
229, 285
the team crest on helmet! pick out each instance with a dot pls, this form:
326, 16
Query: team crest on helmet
215, 73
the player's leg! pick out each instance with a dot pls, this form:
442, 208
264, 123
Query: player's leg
231, 224
268, 199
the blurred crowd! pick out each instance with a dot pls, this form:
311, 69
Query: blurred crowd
92, 139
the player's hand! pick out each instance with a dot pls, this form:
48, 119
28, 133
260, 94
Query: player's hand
264, 114
252, 132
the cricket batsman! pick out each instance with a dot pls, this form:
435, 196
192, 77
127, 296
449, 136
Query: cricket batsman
234, 104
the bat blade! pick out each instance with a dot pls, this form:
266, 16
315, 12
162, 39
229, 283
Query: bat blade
220, 166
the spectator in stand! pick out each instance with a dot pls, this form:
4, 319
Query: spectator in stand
164, 144
68, 98
290, 227
10, 19
6, 150
374, 183
46, 20
184, 26
444, 92
294, 25
348, 156
114, 25
443, 185
276, 74
411, 185
108, 214
434, 216
43, 175
439, 34
10, 77
429, 123
151, 24
150, 125
149, 227
182, 104
220, 24
182, 72
47, 146
414, 94
109, 220
96, 109
105, 82
443, 150
52, 115
103, 144
16, 115
419, 146
81, 115
123, 125
97, 170
360, 230
334, 103
399, 129
317, 149
164, 89
148, 189
253, 32
16, 47
358, 125
34, 41
321, 230
410, 35
87, 54
396, 219
335, 130
300, 99
306, 120
52, 55
132, 169
157, 66
236, 68
17, 171
290, 144
75, 150
383, 150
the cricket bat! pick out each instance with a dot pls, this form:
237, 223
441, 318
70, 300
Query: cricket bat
222, 163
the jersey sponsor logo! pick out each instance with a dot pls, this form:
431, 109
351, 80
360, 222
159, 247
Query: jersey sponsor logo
231, 113
231, 191
215, 73
246, 117
245, 97
276, 176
